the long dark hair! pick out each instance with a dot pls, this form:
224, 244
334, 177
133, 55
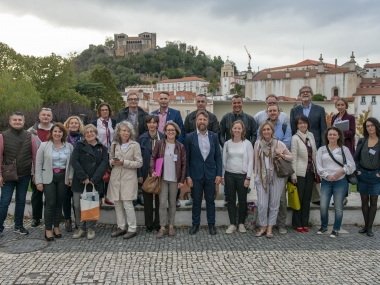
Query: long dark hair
375, 122
340, 141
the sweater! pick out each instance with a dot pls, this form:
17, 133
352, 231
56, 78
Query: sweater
300, 154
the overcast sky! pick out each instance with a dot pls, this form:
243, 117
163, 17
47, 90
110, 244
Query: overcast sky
275, 32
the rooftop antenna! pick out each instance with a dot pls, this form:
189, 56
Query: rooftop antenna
249, 58
303, 52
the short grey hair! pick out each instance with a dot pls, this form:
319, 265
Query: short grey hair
133, 93
303, 87
116, 136
17, 114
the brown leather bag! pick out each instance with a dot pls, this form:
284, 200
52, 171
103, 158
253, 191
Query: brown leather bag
9, 171
283, 167
152, 185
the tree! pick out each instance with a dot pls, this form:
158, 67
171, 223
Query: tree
237, 89
109, 42
17, 94
213, 87
318, 97
110, 95
360, 121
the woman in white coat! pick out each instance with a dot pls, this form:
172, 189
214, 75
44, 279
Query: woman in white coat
125, 159
54, 174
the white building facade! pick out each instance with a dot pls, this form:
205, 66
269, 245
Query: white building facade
190, 84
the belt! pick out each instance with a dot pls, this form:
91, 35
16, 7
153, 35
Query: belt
58, 170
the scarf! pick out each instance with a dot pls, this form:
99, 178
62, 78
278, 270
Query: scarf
108, 133
154, 139
266, 150
74, 137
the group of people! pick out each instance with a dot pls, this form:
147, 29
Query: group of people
60, 161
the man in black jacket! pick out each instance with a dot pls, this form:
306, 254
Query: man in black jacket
136, 116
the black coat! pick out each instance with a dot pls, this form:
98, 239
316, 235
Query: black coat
123, 115
89, 163
146, 151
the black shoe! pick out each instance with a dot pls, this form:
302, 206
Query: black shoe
20, 230
134, 203
57, 235
317, 203
193, 230
140, 200
149, 229
49, 238
369, 233
321, 231
212, 230
362, 230
35, 223
158, 227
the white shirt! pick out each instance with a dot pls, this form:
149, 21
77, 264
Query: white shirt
204, 144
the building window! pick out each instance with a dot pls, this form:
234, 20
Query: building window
363, 101
336, 92
374, 70
187, 112
373, 100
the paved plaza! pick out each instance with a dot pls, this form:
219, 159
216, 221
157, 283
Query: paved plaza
294, 258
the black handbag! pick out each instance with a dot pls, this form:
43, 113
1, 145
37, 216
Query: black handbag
9, 171
351, 178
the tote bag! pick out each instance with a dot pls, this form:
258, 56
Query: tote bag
89, 205
293, 199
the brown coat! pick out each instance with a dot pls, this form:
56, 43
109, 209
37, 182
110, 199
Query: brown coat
180, 164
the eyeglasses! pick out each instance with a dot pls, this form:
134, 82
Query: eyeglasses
272, 103
301, 123
133, 99
46, 109
89, 132
305, 92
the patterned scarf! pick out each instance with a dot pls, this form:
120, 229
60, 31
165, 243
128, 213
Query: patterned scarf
266, 150
108, 133
74, 137
154, 139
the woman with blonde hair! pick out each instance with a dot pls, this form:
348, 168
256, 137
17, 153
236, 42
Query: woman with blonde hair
268, 185
125, 158
236, 174
74, 127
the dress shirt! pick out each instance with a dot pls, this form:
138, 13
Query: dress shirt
60, 157
204, 144
306, 110
162, 117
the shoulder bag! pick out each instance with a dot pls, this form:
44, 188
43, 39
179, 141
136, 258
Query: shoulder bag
351, 178
107, 174
153, 184
9, 171
283, 167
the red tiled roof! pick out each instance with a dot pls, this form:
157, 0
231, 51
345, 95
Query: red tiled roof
367, 91
306, 62
369, 80
191, 78
368, 65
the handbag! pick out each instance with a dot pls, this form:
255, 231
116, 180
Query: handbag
9, 171
89, 205
107, 175
152, 184
351, 178
283, 167
293, 199
317, 178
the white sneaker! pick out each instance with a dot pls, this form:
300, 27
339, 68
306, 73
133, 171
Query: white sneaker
79, 233
231, 229
242, 228
90, 234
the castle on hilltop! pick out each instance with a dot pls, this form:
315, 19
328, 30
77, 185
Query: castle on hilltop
125, 45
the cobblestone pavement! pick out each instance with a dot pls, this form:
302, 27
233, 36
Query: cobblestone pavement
292, 258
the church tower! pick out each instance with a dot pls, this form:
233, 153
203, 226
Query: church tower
226, 77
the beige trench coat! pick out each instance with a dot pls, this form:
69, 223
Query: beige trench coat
123, 182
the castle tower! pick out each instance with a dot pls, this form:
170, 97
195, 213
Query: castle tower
226, 77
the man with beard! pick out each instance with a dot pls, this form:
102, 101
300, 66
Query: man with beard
317, 125
203, 171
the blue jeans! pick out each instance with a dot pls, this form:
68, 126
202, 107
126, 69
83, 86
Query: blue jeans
338, 190
6, 197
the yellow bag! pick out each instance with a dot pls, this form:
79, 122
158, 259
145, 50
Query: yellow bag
293, 199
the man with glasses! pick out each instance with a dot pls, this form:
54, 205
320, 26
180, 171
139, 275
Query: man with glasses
262, 116
317, 125
136, 116
166, 114
40, 130
16, 144
190, 123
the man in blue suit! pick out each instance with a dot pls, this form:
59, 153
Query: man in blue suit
203, 171
166, 114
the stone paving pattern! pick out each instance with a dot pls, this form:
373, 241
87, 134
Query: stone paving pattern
293, 258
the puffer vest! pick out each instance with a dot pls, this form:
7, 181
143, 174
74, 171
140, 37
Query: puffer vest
12, 140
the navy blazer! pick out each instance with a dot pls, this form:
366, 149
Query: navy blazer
197, 167
317, 122
175, 116
146, 152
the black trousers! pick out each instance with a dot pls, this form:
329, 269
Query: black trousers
300, 217
148, 209
37, 201
54, 194
234, 183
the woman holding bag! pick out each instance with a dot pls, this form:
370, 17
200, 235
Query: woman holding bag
90, 161
269, 186
173, 174
125, 158
53, 174
330, 159
303, 149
